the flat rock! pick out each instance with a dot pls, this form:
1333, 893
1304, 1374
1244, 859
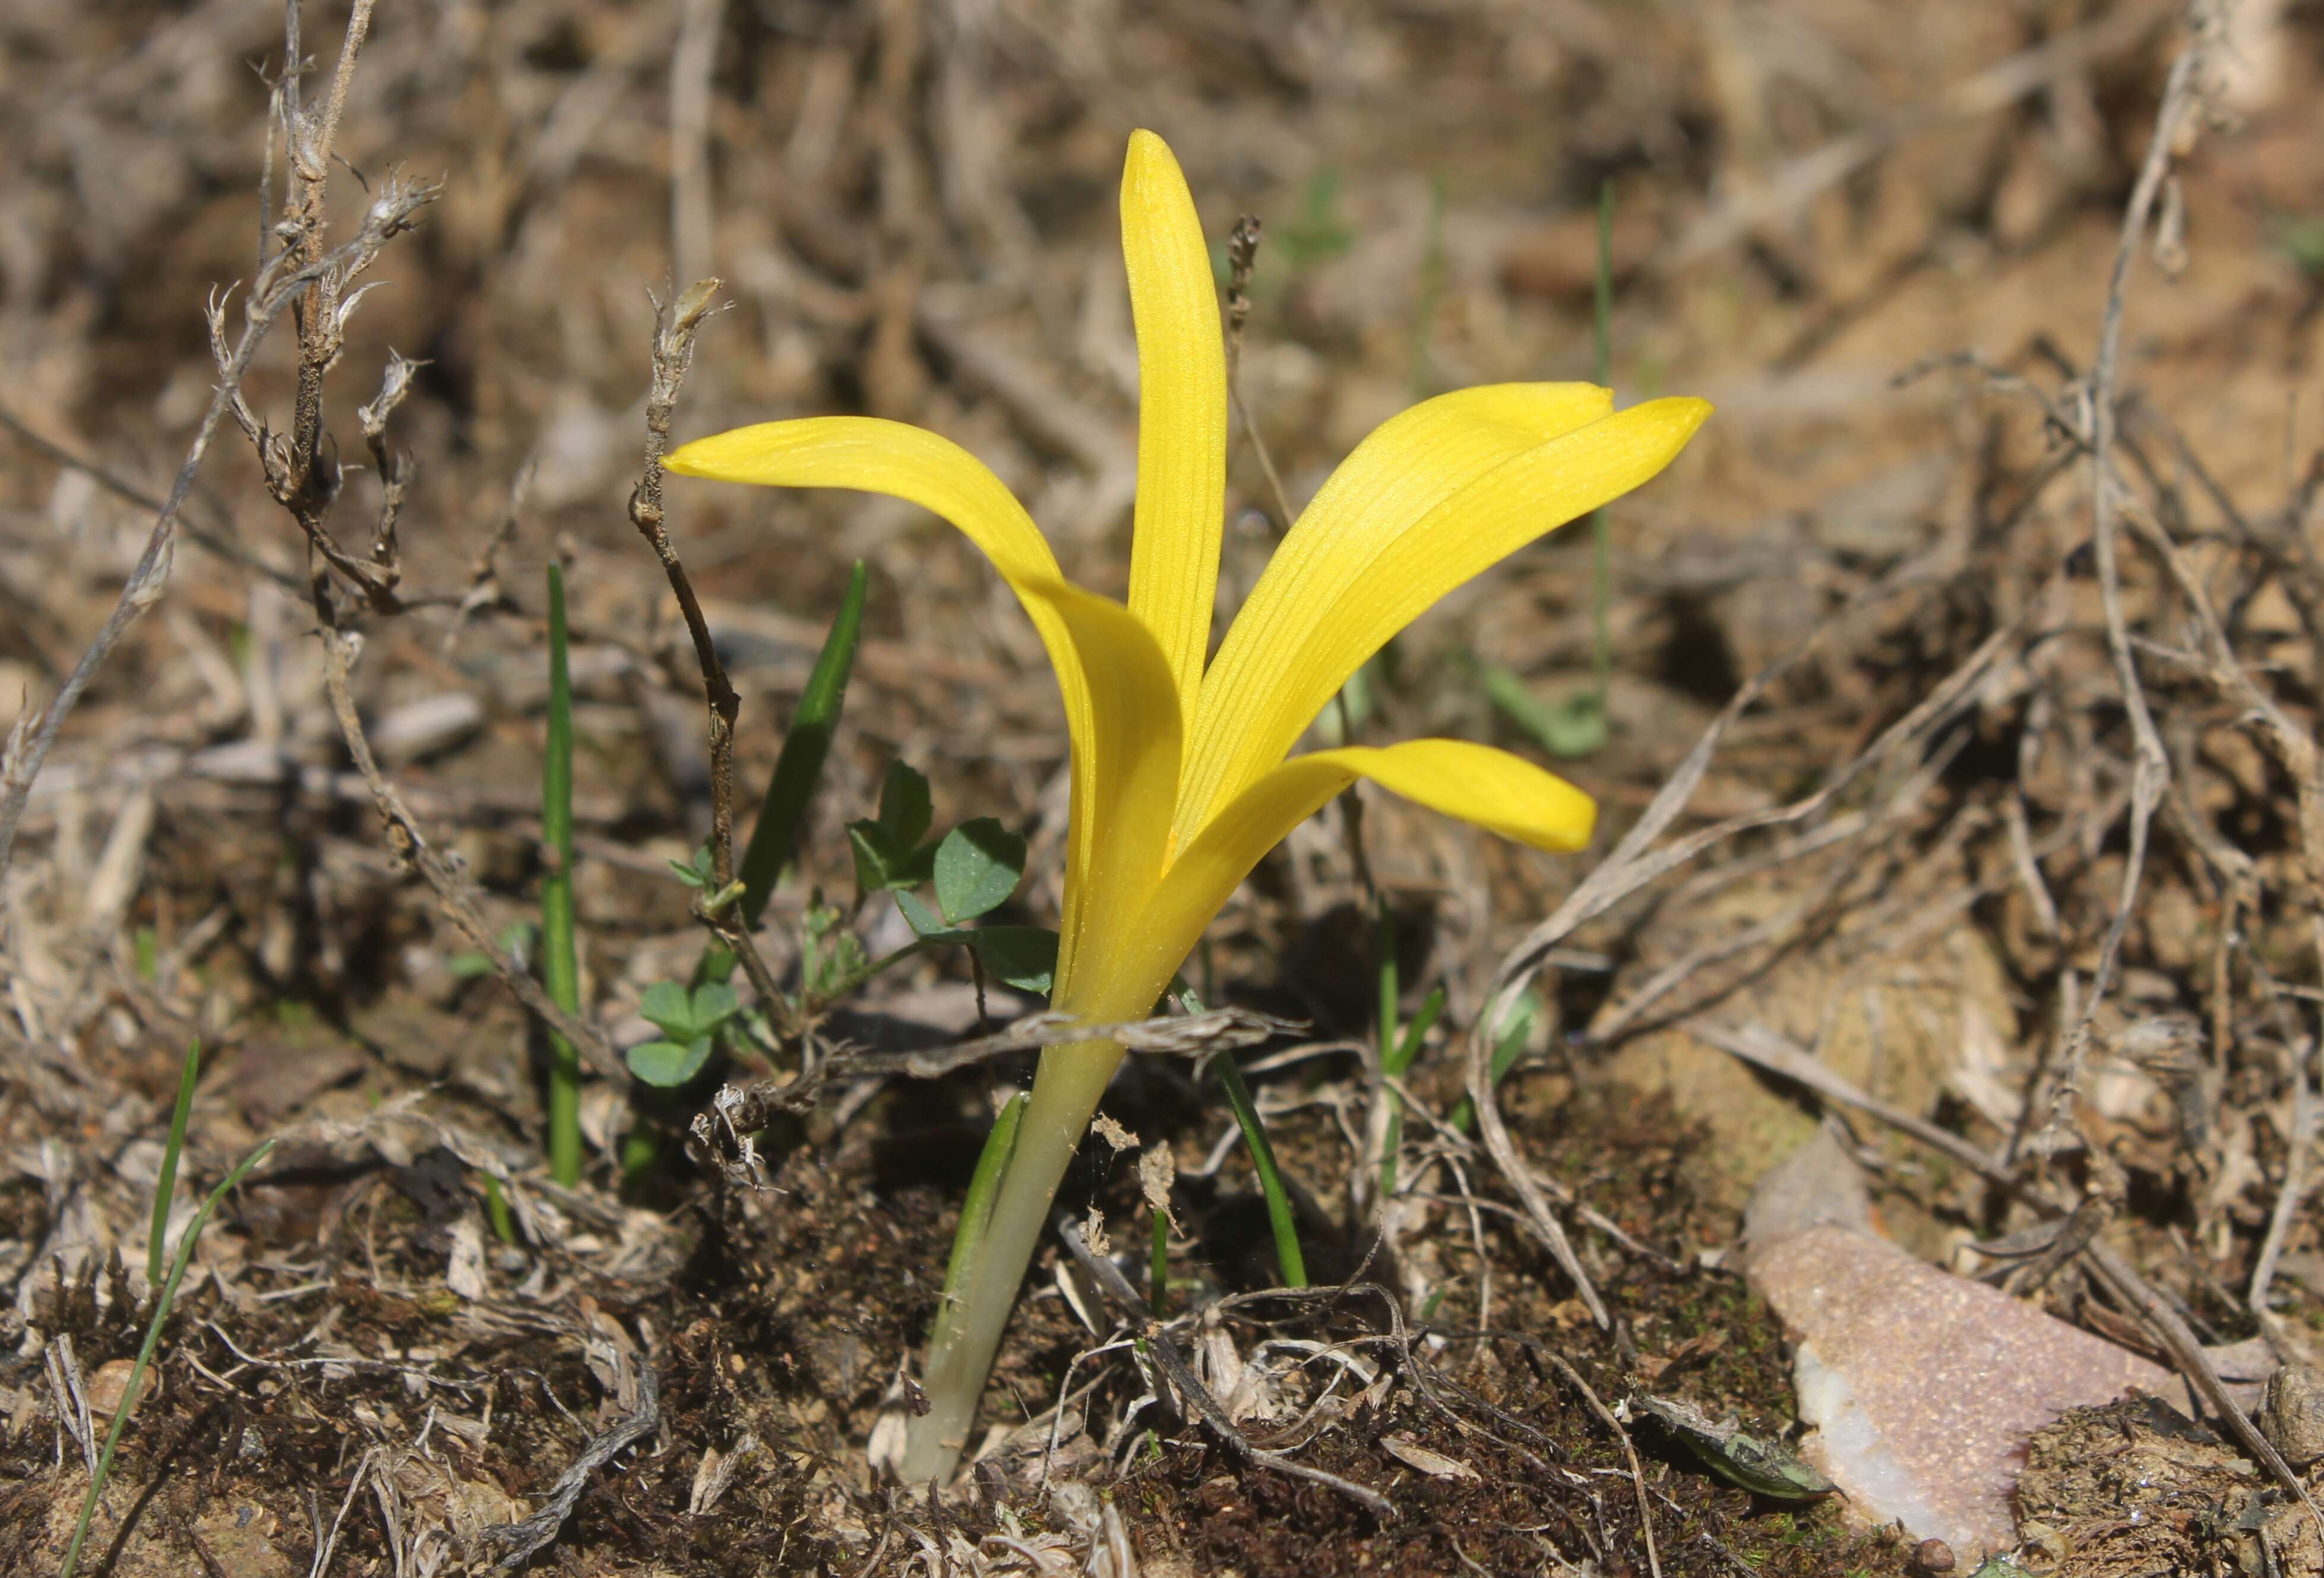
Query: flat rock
1922, 1387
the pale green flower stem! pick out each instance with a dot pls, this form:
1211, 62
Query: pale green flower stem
1066, 1090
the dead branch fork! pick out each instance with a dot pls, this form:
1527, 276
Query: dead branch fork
302, 277
305, 481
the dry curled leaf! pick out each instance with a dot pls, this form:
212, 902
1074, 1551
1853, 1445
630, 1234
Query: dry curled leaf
1434, 1465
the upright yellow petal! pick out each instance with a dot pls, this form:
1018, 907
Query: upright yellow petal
1121, 830
1431, 499
1493, 789
1182, 412
1120, 702
1410, 464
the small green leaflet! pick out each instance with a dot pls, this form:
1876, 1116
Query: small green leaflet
1763, 1467
977, 867
667, 1064
1022, 957
888, 854
1572, 725
689, 1022
678, 1014
905, 808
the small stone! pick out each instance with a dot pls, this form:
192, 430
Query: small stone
1924, 1387
1932, 1557
110, 1384
2292, 1414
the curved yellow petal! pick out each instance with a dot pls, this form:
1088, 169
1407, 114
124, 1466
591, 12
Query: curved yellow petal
1493, 789
1182, 412
1410, 464
1431, 499
1121, 707
1127, 757
874, 455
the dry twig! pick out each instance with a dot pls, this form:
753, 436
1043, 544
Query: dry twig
272, 294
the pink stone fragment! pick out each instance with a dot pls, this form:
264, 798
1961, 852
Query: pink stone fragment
1922, 1387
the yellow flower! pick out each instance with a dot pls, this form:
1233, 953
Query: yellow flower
1180, 778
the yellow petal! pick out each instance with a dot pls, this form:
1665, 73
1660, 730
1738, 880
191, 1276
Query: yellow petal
877, 457
1127, 754
1121, 704
1182, 412
1493, 789
1432, 498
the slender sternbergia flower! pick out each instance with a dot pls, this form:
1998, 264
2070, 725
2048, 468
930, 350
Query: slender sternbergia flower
1182, 779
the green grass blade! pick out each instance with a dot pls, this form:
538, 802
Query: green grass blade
1279, 1217
1407, 1046
1604, 315
1391, 989
983, 1191
1506, 1053
561, 966
1602, 550
166, 1184
163, 1299
496, 1207
1395, 1061
1432, 286
1157, 1279
799, 767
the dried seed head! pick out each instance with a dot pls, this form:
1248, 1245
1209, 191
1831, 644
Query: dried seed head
1242, 255
693, 302
1157, 1170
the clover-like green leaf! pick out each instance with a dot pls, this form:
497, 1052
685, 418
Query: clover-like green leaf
926, 924
882, 862
977, 866
668, 1064
668, 1008
1023, 957
713, 1004
905, 810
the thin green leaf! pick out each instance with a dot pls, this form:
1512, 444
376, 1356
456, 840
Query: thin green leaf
496, 1207
1516, 1030
1280, 1216
873, 848
166, 1184
1407, 1046
561, 966
163, 1302
799, 766
1583, 727
1385, 967
1158, 1274
1572, 725
977, 866
983, 1193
